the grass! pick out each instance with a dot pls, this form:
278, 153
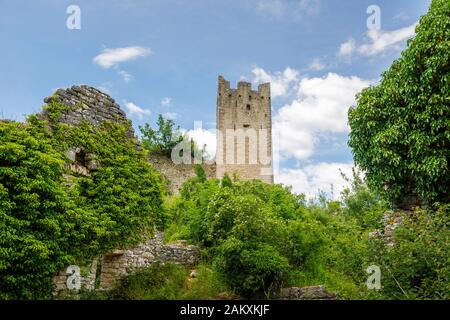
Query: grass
169, 282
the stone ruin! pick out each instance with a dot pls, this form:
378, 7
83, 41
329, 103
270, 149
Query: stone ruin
87, 104
105, 272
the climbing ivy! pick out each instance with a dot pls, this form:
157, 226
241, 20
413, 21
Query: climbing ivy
50, 217
400, 129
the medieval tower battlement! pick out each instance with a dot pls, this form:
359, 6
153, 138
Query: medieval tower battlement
244, 131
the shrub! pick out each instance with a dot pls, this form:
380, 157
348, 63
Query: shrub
37, 216
416, 266
400, 134
156, 282
249, 268
48, 220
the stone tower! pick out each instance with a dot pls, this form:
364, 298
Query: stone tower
244, 131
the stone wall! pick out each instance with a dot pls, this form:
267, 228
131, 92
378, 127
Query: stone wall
120, 263
176, 174
305, 293
87, 104
391, 220
87, 277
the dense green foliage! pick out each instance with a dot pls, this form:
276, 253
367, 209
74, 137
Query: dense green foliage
255, 237
417, 265
255, 234
51, 217
259, 237
400, 129
167, 282
37, 224
163, 139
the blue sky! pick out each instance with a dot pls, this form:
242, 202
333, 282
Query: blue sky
164, 56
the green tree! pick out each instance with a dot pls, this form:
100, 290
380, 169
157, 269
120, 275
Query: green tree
36, 214
163, 139
400, 129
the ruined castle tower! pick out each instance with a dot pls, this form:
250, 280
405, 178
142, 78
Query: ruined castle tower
244, 135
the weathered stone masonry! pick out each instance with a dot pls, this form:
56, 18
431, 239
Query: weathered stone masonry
119, 263
247, 114
87, 104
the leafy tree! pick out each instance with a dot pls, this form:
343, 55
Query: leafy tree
362, 203
400, 129
36, 213
163, 139
48, 220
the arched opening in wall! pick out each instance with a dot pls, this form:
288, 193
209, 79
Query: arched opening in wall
248, 107
80, 157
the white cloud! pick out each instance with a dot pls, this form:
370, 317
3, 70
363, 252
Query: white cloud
312, 178
382, 41
166, 101
319, 109
316, 65
125, 75
204, 137
347, 48
170, 115
280, 82
378, 41
112, 57
134, 110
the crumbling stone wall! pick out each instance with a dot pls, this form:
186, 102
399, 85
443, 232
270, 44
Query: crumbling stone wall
87, 279
119, 263
87, 104
90, 104
305, 293
392, 219
176, 174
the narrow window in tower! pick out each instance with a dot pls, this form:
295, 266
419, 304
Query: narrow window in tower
248, 107
249, 97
